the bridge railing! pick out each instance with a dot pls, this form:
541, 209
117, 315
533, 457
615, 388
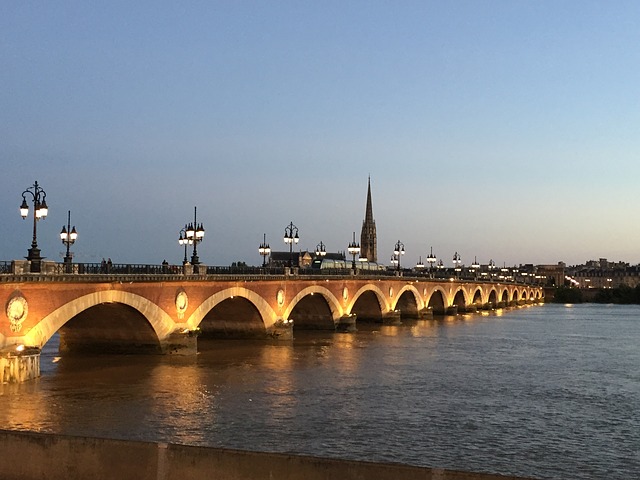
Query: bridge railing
107, 271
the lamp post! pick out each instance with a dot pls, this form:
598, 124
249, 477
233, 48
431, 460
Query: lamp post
475, 266
420, 265
183, 240
431, 259
456, 263
440, 266
398, 250
291, 237
194, 234
68, 236
40, 211
353, 249
320, 250
264, 249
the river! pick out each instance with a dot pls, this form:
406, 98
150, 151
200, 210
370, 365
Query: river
547, 391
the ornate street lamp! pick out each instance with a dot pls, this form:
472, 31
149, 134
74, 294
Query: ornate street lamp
431, 259
194, 233
456, 263
419, 265
68, 236
40, 211
183, 240
291, 237
353, 249
398, 250
475, 266
265, 250
320, 250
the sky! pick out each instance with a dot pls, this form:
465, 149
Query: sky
504, 130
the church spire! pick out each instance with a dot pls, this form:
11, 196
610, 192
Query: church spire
368, 216
368, 238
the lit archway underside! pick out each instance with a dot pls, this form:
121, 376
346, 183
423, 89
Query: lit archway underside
436, 303
234, 317
312, 313
108, 328
367, 307
408, 306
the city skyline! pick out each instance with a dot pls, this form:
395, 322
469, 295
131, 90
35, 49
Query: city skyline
496, 130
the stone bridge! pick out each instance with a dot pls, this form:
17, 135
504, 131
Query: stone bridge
166, 313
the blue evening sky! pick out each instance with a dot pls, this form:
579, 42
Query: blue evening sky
506, 130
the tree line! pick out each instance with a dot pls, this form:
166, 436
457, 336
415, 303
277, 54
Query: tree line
621, 295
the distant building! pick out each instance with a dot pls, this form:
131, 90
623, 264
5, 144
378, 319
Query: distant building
298, 259
604, 274
368, 237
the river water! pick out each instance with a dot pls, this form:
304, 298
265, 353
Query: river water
547, 391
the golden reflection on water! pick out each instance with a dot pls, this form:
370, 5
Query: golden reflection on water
20, 414
182, 395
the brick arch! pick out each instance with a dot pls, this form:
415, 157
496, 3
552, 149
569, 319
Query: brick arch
159, 320
492, 290
472, 295
515, 295
443, 292
416, 295
370, 287
269, 316
465, 295
502, 295
332, 301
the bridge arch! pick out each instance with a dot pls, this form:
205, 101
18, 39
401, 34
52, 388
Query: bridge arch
437, 301
265, 310
310, 312
157, 318
409, 302
369, 303
493, 297
478, 297
504, 296
460, 297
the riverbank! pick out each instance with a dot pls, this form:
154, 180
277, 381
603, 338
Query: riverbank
33, 455
622, 295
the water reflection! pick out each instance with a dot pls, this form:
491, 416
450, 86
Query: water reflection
545, 392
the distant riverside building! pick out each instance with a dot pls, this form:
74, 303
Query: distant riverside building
604, 274
368, 238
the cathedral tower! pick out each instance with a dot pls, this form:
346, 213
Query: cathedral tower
368, 239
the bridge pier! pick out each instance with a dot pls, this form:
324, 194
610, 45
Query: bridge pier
281, 330
426, 313
347, 323
17, 366
392, 318
180, 343
452, 310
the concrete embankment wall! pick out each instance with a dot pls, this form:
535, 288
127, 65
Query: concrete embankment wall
30, 456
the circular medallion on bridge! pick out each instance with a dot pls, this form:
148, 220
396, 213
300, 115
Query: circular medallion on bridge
391, 291
17, 310
280, 297
182, 302
345, 293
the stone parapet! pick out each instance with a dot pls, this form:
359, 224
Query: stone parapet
60, 457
